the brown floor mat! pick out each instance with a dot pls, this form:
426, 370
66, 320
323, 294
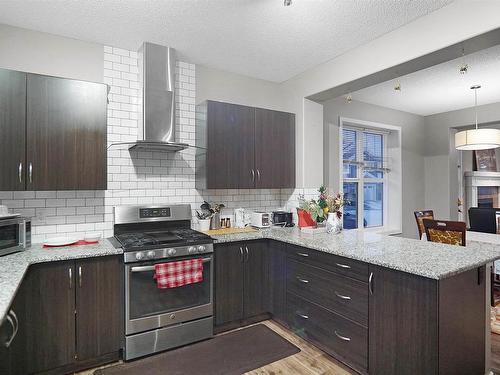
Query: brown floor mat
231, 354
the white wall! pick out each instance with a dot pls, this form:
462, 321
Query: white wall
412, 149
36, 52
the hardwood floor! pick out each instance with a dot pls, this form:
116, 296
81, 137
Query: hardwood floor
310, 360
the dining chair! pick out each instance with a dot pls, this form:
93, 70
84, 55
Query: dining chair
442, 231
483, 219
419, 216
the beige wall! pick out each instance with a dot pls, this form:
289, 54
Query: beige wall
442, 28
37, 52
214, 84
441, 166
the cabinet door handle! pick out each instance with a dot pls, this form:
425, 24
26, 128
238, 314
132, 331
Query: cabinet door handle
80, 276
70, 275
345, 338
343, 266
30, 170
303, 316
370, 283
303, 254
253, 175
302, 280
20, 170
241, 254
248, 254
9, 341
341, 296
258, 174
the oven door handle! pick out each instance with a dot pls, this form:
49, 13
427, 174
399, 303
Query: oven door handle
152, 268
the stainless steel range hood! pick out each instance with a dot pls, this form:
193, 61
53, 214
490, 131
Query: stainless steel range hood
157, 108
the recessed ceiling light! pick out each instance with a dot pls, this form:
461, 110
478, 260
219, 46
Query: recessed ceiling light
287, 3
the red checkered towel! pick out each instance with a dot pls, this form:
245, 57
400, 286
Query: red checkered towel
175, 274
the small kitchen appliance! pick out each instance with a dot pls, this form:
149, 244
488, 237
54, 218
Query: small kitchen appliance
159, 319
239, 218
282, 218
15, 234
260, 219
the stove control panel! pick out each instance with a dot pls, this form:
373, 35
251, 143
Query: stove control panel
167, 253
154, 212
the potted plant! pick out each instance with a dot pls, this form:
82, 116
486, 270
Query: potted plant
309, 213
334, 205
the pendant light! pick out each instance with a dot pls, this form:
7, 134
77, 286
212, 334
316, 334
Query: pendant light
477, 139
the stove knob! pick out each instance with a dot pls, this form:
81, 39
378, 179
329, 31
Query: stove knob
171, 252
201, 248
191, 249
139, 255
151, 254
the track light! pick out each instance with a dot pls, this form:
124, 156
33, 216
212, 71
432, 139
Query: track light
287, 3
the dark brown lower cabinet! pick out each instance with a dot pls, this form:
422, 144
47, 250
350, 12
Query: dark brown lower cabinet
49, 318
425, 326
241, 283
70, 316
228, 283
256, 279
99, 296
12, 331
277, 280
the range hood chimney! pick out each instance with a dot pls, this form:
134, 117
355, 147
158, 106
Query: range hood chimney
157, 108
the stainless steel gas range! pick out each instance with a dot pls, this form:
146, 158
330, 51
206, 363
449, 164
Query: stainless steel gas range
159, 319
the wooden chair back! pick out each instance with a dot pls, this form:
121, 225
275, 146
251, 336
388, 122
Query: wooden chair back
448, 232
421, 215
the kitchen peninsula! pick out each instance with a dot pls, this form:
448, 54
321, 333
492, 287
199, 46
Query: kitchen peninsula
380, 304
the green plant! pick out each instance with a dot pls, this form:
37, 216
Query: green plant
314, 209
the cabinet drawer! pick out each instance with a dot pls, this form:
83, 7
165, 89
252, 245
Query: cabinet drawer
343, 339
343, 266
340, 294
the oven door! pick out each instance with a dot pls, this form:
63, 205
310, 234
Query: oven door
148, 307
12, 235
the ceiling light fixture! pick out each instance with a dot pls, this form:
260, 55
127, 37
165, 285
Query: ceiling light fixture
462, 69
348, 98
287, 3
477, 139
397, 86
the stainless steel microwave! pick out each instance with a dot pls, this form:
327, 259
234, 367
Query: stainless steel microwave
15, 235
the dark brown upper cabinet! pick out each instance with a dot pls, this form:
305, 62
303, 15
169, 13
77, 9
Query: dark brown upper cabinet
12, 130
244, 147
52, 133
66, 134
274, 149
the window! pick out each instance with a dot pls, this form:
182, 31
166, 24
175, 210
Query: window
364, 175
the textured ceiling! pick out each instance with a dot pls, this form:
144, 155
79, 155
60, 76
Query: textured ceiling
258, 38
441, 88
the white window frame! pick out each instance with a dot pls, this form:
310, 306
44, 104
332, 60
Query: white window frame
361, 179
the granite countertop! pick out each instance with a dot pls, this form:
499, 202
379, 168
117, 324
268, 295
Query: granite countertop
14, 266
428, 259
